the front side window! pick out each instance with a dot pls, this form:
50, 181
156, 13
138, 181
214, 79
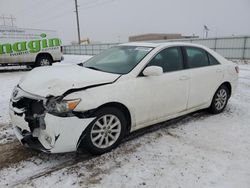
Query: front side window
170, 59
212, 60
196, 57
118, 60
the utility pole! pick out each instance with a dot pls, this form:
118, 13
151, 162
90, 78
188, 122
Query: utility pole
206, 30
3, 18
12, 20
6, 18
77, 22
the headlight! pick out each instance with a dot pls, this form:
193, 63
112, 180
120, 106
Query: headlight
63, 106
15, 92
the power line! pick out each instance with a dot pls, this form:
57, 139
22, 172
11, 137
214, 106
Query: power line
52, 18
44, 7
91, 5
98, 3
88, 5
29, 7
84, 6
56, 16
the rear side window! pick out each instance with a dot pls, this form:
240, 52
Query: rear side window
196, 57
212, 60
170, 59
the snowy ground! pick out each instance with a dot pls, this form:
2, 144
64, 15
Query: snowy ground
197, 150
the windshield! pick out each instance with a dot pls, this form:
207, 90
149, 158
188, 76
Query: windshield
118, 60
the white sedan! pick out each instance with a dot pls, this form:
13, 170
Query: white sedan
94, 105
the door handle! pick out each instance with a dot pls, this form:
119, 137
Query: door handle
184, 78
219, 70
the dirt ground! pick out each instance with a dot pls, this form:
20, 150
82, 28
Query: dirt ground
14, 152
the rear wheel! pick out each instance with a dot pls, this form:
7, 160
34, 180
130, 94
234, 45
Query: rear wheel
43, 60
220, 100
105, 132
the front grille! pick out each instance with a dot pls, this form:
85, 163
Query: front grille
32, 106
33, 111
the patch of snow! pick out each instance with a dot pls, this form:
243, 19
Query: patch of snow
241, 62
8, 82
6, 134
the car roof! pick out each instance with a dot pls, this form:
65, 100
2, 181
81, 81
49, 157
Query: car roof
141, 44
160, 44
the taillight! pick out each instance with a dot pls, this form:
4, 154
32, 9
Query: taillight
237, 69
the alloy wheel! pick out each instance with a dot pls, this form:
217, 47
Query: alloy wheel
105, 131
44, 62
221, 99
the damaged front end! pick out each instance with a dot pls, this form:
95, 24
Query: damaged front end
46, 123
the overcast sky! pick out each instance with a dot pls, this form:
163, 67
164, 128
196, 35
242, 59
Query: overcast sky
109, 20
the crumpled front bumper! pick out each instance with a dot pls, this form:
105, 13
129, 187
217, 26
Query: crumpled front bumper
60, 134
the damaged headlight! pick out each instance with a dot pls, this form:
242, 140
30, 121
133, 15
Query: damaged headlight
62, 106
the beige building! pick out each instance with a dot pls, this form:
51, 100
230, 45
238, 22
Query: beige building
157, 36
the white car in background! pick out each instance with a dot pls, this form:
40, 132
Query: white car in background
93, 105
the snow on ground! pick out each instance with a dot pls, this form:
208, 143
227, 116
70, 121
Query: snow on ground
8, 81
242, 62
197, 150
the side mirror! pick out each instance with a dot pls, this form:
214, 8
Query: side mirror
153, 71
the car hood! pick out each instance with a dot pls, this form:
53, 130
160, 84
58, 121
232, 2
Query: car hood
55, 80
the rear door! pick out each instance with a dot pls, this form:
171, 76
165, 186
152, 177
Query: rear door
206, 75
158, 97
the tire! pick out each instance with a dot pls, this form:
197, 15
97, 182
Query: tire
43, 60
220, 100
100, 137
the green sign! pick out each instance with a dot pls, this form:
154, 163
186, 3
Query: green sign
32, 46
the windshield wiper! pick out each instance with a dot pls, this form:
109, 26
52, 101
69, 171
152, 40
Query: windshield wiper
94, 68
80, 64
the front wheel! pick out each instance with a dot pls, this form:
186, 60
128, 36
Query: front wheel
105, 132
220, 100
